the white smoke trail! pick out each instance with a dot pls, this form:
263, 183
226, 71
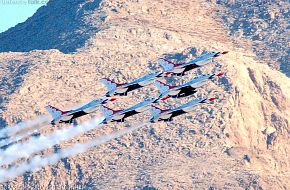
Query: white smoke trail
8, 131
37, 162
36, 144
16, 138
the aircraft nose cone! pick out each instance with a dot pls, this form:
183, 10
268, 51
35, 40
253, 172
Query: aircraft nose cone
220, 53
113, 99
220, 74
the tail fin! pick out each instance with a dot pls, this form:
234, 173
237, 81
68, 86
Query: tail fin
166, 65
107, 111
54, 111
162, 87
155, 110
111, 85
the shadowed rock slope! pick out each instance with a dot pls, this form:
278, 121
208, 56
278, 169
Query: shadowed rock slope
265, 24
239, 142
63, 25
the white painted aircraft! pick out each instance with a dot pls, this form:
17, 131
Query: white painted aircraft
123, 89
180, 69
120, 115
166, 91
167, 115
70, 116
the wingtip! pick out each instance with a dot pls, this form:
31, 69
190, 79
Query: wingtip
225, 52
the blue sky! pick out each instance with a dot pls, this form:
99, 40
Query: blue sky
13, 12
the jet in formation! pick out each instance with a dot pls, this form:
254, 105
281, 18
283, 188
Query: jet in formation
167, 115
122, 89
166, 91
120, 115
179, 69
70, 116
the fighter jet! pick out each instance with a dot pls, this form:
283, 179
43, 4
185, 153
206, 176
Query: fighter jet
167, 115
179, 69
70, 116
166, 91
120, 115
123, 89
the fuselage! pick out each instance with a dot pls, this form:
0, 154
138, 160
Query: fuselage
69, 116
168, 115
188, 88
120, 116
200, 61
136, 84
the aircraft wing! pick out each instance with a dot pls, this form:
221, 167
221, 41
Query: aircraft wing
159, 114
145, 80
90, 105
138, 108
191, 103
197, 81
207, 56
120, 115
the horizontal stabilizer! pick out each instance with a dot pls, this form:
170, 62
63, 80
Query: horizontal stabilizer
162, 87
108, 111
54, 112
155, 111
111, 85
166, 65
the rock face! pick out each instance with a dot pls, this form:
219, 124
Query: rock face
240, 141
265, 24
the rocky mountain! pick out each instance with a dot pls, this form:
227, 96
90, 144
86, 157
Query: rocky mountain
264, 23
58, 25
239, 142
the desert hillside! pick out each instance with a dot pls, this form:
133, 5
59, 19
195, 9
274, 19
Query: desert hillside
241, 141
263, 25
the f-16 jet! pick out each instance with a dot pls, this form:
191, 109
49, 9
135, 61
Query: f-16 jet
166, 91
167, 115
123, 89
120, 115
70, 116
180, 69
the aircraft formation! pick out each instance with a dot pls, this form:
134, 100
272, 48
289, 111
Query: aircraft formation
16, 144
165, 91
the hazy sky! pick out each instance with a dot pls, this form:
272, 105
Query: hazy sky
13, 12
